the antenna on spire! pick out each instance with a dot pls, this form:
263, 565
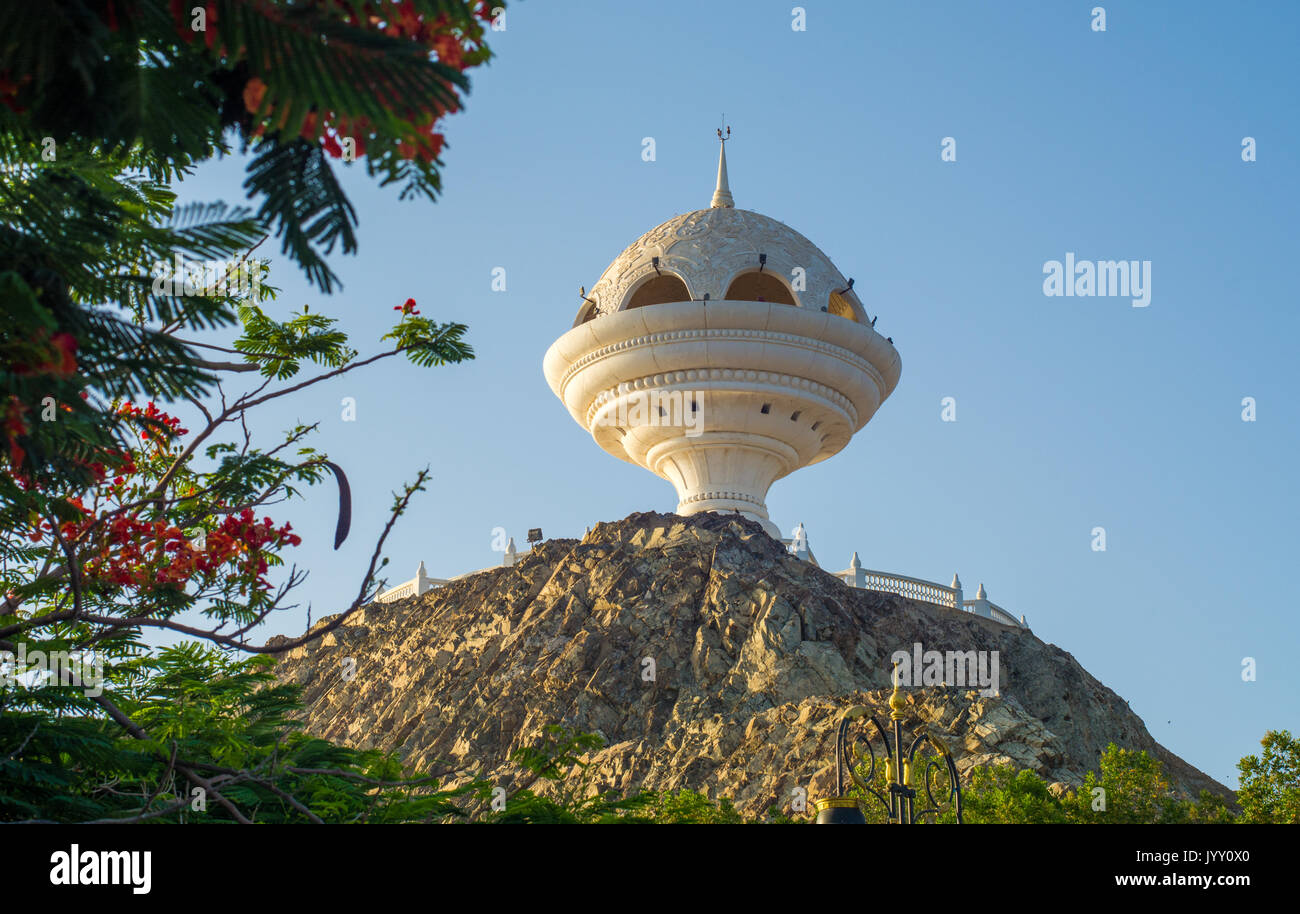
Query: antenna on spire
722, 193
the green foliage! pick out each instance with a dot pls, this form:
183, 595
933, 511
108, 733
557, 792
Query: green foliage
115, 521
690, 807
140, 80
429, 344
1136, 791
1003, 795
1270, 782
873, 802
233, 726
78, 238
562, 759
1210, 809
1130, 787
278, 347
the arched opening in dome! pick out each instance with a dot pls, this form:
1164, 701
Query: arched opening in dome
658, 291
759, 287
840, 307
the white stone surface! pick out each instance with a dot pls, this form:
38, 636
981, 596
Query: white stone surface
722, 397
708, 248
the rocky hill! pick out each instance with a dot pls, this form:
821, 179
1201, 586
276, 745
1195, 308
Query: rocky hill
706, 656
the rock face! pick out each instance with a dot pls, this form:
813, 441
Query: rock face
705, 655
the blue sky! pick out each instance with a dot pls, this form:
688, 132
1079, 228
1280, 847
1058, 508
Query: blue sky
1071, 412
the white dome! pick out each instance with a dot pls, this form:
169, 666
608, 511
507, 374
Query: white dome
708, 248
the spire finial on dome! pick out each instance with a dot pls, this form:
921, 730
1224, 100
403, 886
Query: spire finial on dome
722, 194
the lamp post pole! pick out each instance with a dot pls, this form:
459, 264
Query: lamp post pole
904, 782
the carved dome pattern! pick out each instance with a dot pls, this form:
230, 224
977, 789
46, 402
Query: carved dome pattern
708, 248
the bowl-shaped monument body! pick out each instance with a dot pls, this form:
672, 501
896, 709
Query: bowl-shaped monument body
722, 398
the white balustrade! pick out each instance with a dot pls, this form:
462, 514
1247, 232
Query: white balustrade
926, 592
417, 586
855, 576
912, 588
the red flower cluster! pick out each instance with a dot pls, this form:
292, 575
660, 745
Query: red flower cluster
144, 554
65, 361
456, 43
15, 426
59, 356
407, 308
133, 551
254, 92
128, 548
426, 147
9, 91
158, 425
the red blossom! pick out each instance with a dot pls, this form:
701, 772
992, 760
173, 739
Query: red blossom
456, 43
143, 554
15, 426
254, 92
449, 50
9, 91
66, 346
158, 426
59, 356
436, 142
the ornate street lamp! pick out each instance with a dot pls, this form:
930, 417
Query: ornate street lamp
900, 769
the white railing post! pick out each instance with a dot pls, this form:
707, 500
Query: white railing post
855, 568
799, 543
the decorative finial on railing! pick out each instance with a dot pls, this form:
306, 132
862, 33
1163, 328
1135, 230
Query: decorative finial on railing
896, 701
722, 193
